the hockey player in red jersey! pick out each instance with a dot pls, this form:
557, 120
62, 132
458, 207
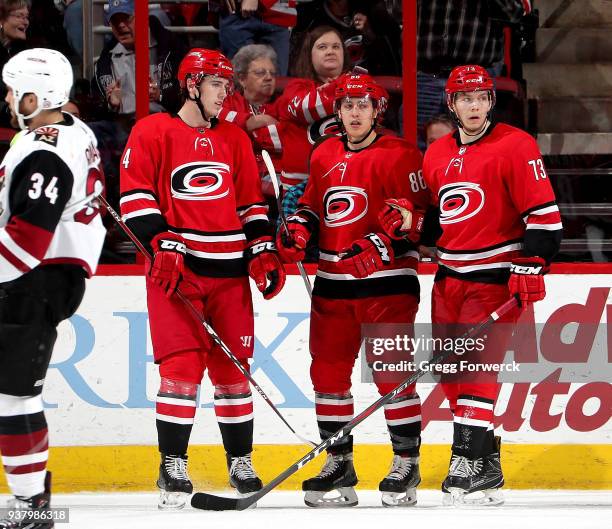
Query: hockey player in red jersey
51, 236
190, 191
500, 229
363, 277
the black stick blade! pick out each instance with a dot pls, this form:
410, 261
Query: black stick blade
210, 502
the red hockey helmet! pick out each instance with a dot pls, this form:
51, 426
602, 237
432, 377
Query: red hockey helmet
468, 78
361, 85
200, 62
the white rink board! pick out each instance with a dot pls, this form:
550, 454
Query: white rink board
101, 387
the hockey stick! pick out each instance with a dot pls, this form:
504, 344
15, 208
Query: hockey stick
276, 185
211, 502
200, 319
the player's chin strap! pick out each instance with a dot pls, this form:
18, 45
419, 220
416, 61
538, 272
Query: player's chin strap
198, 103
367, 134
487, 122
21, 119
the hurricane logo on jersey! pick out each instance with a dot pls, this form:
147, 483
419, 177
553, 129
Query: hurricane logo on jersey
322, 127
460, 201
343, 205
200, 181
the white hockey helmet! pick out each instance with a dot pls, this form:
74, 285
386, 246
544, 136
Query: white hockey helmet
40, 71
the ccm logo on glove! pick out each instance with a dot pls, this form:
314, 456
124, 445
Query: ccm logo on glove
380, 246
267, 246
532, 269
174, 246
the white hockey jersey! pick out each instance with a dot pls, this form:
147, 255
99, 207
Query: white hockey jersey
49, 180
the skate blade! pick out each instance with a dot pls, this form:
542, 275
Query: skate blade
482, 498
399, 499
172, 501
342, 497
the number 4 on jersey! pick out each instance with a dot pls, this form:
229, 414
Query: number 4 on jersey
126, 158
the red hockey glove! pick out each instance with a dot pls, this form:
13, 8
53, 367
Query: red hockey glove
264, 266
168, 265
527, 279
367, 255
292, 247
401, 219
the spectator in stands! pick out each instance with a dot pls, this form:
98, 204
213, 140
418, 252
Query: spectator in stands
73, 23
114, 84
251, 106
14, 22
437, 127
455, 32
255, 70
306, 107
72, 108
255, 22
115, 79
372, 36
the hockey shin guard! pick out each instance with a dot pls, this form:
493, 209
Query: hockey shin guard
175, 412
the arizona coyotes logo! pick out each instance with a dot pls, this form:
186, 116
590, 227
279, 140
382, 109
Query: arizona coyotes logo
343, 205
47, 134
321, 127
200, 181
460, 201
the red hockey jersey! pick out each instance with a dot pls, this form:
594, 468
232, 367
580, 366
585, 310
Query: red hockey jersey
345, 193
306, 112
236, 109
202, 183
496, 202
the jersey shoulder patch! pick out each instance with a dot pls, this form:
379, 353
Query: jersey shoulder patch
47, 135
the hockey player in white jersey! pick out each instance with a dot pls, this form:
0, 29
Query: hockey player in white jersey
51, 236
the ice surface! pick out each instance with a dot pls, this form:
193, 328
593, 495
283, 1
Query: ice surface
285, 510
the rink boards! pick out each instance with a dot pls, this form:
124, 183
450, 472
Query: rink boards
101, 388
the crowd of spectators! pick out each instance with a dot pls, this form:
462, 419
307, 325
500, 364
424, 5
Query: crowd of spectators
287, 56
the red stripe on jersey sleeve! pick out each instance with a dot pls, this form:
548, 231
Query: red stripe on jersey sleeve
31, 238
17, 263
546, 219
139, 204
259, 211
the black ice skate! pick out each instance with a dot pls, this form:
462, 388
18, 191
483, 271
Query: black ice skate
474, 481
242, 475
337, 474
399, 487
173, 482
26, 510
